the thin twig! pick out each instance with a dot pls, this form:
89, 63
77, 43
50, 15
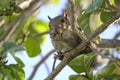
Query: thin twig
40, 34
109, 43
39, 64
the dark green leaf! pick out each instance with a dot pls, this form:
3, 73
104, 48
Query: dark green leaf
106, 71
82, 63
110, 77
94, 6
77, 77
17, 72
77, 3
11, 46
104, 16
33, 46
19, 62
83, 21
6, 73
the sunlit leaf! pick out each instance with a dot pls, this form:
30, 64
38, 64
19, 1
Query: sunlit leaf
95, 21
83, 21
33, 46
41, 26
54, 1
104, 16
82, 63
112, 1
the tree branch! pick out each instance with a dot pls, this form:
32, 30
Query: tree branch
109, 43
20, 20
40, 34
39, 64
104, 26
67, 58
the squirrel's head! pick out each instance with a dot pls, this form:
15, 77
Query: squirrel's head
59, 23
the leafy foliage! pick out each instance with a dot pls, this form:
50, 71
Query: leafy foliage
10, 47
27, 37
12, 71
83, 21
82, 63
8, 7
33, 42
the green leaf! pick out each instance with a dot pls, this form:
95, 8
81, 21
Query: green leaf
19, 62
94, 6
83, 21
41, 26
77, 3
106, 71
77, 77
11, 46
1, 76
4, 4
113, 2
33, 46
33, 42
6, 73
94, 21
17, 72
104, 16
82, 63
54, 1
111, 77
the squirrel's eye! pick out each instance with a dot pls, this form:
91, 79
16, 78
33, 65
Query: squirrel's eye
62, 20
49, 25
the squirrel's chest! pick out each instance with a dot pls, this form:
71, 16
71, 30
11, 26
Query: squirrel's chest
65, 41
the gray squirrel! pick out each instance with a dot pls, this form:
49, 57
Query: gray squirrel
62, 36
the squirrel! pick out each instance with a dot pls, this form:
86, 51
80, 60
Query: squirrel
62, 36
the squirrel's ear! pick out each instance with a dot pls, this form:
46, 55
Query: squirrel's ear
49, 18
65, 13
